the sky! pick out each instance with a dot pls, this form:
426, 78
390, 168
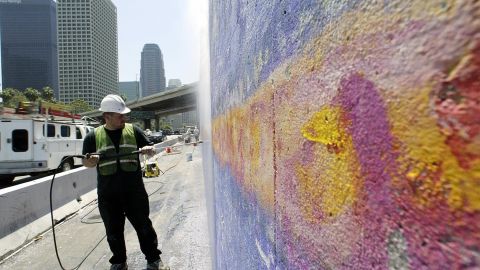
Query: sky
175, 25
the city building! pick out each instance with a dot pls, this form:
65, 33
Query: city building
88, 50
174, 83
179, 121
152, 73
176, 122
28, 37
190, 118
131, 90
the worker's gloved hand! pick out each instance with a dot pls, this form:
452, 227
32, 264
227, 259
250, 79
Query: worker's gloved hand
148, 150
91, 160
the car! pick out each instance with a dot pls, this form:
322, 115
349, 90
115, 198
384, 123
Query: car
167, 132
156, 137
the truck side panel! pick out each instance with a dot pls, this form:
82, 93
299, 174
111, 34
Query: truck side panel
16, 139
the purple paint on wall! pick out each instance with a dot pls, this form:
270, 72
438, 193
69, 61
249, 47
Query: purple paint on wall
370, 133
252, 28
369, 129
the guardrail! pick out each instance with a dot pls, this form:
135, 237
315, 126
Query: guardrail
25, 208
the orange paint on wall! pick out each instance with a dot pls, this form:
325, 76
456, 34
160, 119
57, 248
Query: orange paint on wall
245, 144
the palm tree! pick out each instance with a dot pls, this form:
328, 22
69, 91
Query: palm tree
32, 94
47, 94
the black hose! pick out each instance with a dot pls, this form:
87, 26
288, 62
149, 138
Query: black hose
51, 213
51, 201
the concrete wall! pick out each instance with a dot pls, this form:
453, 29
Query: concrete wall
346, 134
25, 208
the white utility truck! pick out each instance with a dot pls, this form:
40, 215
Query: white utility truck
34, 143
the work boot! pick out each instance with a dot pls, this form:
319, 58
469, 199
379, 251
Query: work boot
119, 266
157, 265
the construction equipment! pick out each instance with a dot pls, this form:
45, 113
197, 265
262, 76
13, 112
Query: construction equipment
151, 168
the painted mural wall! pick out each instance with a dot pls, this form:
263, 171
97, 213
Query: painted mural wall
346, 134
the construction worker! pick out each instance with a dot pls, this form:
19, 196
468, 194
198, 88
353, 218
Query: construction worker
187, 136
120, 188
196, 133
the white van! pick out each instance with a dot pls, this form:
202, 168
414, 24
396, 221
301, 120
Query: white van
34, 144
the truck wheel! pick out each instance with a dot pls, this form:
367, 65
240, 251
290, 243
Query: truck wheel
67, 165
7, 179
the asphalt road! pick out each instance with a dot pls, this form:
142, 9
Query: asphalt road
178, 213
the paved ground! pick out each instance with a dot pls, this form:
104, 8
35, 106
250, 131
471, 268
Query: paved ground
178, 213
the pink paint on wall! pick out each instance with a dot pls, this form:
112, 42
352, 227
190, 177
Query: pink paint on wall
362, 146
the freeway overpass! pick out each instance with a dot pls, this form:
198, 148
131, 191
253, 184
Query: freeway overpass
168, 102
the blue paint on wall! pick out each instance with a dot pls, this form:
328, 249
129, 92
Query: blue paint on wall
242, 226
247, 31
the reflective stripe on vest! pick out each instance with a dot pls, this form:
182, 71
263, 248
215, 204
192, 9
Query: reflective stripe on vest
128, 144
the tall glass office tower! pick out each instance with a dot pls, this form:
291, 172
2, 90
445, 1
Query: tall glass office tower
88, 50
152, 73
28, 32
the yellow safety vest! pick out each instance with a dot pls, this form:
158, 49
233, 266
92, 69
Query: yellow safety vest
128, 144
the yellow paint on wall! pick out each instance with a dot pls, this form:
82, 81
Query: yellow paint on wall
429, 166
331, 179
426, 153
370, 20
244, 142
324, 127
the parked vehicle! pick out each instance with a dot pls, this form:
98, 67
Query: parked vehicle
157, 137
32, 143
147, 132
167, 131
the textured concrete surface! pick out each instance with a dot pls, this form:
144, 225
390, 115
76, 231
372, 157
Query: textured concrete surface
178, 213
346, 134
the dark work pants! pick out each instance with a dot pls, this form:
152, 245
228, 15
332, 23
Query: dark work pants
133, 204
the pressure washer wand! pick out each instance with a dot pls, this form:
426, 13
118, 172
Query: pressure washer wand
103, 156
120, 155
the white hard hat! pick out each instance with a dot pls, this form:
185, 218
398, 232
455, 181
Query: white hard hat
113, 103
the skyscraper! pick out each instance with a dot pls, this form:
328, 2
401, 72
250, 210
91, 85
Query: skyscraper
131, 90
152, 73
28, 39
88, 50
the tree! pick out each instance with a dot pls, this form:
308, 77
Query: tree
164, 125
7, 94
32, 94
47, 94
123, 97
79, 106
11, 97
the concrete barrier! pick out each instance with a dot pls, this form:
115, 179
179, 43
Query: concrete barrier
25, 208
